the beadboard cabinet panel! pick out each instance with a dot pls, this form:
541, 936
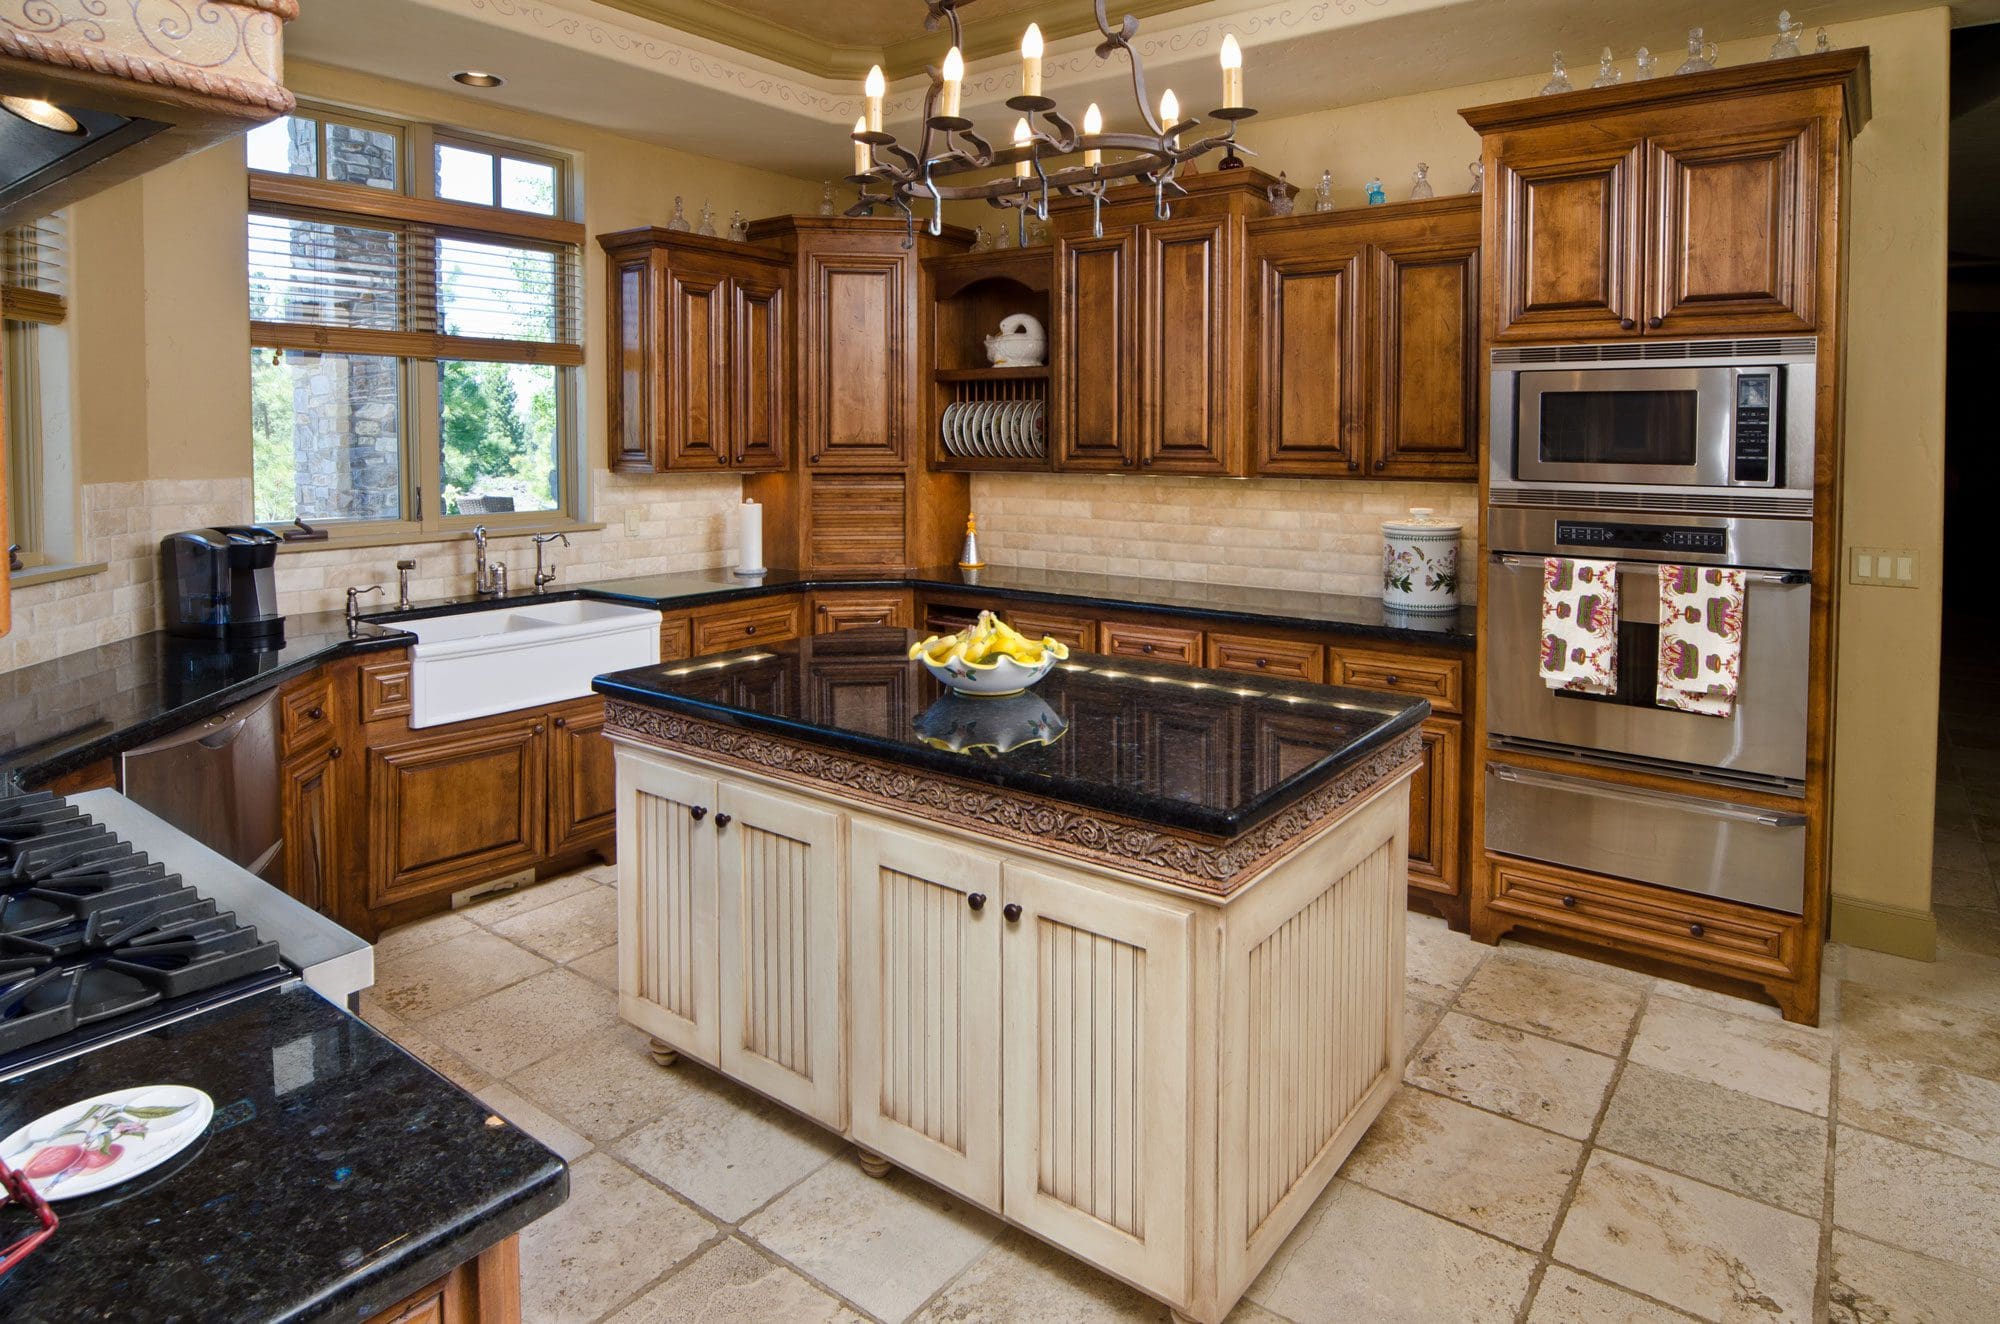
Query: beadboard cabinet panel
669, 980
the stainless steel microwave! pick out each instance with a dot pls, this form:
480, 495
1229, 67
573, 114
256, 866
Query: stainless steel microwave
1718, 415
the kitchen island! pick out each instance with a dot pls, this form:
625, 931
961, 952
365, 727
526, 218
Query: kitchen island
1118, 959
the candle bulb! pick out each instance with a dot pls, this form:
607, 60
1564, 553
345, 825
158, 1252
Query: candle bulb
1031, 61
875, 88
954, 83
1232, 73
1093, 124
862, 162
1023, 135
1170, 113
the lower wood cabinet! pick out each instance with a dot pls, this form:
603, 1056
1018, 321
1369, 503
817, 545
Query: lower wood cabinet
1161, 643
309, 802
583, 789
1436, 804
833, 612
483, 1290
449, 810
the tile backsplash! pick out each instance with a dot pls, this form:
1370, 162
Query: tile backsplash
1324, 536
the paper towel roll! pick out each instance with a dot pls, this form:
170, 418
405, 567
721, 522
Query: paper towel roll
750, 539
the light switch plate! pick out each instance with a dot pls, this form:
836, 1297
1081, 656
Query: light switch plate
632, 521
1886, 567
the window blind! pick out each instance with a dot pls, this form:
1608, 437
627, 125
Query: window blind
34, 271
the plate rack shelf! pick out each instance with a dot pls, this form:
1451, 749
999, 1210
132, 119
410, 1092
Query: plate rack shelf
967, 297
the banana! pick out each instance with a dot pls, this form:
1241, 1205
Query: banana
987, 639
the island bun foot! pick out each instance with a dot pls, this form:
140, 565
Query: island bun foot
663, 1055
873, 1164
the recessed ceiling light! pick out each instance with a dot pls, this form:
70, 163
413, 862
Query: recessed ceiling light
477, 78
42, 114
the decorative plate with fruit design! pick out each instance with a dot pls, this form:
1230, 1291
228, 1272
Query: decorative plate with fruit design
106, 1140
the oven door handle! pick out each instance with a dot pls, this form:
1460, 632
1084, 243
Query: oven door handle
1612, 791
1514, 562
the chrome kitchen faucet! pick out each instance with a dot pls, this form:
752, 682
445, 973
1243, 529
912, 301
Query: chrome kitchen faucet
544, 578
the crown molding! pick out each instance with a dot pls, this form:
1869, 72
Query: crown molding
989, 37
753, 36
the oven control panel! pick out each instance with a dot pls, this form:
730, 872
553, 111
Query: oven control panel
1750, 458
1678, 539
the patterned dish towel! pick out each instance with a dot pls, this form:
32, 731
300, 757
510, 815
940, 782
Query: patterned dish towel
1701, 638
1580, 625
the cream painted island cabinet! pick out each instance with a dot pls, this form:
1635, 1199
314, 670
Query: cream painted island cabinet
1118, 959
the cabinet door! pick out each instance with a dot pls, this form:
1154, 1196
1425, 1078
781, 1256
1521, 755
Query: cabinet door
697, 313
1734, 231
1186, 423
859, 377
583, 798
1569, 237
779, 886
668, 984
1095, 1075
760, 370
1308, 390
834, 612
1096, 368
310, 804
449, 810
1434, 809
632, 410
1425, 390
925, 935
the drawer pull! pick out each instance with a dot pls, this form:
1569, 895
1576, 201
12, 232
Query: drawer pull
562, 723
1696, 930
977, 900
749, 629
1569, 903
334, 753
316, 713
698, 812
722, 821
1145, 648
1012, 910
1653, 323
1626, 324
1392, 679
1263, 662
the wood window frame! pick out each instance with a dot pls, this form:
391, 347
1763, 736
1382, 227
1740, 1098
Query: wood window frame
26, 457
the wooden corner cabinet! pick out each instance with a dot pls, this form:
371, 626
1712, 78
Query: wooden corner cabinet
700, 342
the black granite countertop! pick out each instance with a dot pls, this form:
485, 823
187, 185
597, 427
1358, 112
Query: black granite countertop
339, 1175
60, 715
1202, 751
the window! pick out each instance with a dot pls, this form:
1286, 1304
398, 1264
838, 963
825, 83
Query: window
34, 357
415, 322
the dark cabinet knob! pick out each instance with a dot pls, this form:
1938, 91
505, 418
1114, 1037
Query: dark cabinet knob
1627, 324
1147, 460
1353, 465
1392, 679
724, 457
1012, 910
1263, 662
1145, 648
334, 753
1696, 930
812, 459
977, 900
721, 821
1380, 465
1653, 323
561, 723
316, 713
749, 629
1569, 903
538, 728
698, 812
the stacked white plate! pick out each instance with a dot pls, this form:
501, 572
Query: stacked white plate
996, 429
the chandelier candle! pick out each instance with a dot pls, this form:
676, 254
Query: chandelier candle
1232, 73
1170, 115
1031, 61
1023, 135
954, 84
875, 89
861, 162
1093, 124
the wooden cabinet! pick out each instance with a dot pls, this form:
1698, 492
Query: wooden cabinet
1096, 352
676, 637
1077, 632
1189, 300
455, 806
582, 780
1365, 333
1733, 229
700, 349
309, 800
855, 406
861, 609
1288, 659
483, 1290
1569, 220
732, 625
1436, 803
1161, 643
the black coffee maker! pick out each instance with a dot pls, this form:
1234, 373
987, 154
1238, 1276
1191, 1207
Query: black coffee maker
219, 584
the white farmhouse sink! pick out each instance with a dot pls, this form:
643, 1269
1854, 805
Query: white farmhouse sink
524, 655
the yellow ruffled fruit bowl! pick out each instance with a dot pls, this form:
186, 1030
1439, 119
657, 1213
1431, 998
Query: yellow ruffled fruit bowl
989, 660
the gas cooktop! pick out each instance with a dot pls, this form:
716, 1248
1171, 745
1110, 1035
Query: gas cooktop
98, 940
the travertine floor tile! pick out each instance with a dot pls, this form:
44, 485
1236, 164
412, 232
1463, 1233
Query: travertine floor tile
525, 1022
524, 899
1518, 1075
1753, 1008
1901, 1024
616, 1233
1721, 1136
400, 942
1020, 1278
1782, 1063
1471, 1166
730, 1283
536, 1121
1877, 1284
566, 929
1924, 1103
429, 1051
721, 1146
1437, 961
1957, 850
604, 1087
1967, 929
1420, 1017
600, 967
1549, 1000
1567, 1297
1969, 888
1362, 1256
452, 973
1704, 1250
1916, 1199
885, 1244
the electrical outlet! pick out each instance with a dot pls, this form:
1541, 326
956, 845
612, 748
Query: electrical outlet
632, 521
1886, 567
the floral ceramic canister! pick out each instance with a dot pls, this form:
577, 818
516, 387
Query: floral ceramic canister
1420, 563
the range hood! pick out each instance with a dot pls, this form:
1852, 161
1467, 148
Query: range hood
92, 94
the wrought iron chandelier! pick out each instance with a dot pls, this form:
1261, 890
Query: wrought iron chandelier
889, 173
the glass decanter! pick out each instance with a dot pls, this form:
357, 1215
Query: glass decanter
678, 221
1649, 66
739, 226
1377, 195
1323, 195
1282, 201
1420, 186
1606, 75
1822, 43
1701, 54
707, 225
1003, 235
1558, 78
1787, 44
826, 199
1478, 169
981, 241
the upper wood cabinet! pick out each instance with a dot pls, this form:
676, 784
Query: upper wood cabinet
1671, 208
1096, 363
855, 408
1364, 326
1189, 306
700, 353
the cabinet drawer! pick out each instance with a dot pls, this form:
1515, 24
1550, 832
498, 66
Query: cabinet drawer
385, 690
1079, 633
305, 713
1637, 918
1267, 657
833, 612
676, 638
948, 617
1162, 643
1437, 679
720, 629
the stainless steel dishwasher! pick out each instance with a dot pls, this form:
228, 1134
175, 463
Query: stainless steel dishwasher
217, 781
